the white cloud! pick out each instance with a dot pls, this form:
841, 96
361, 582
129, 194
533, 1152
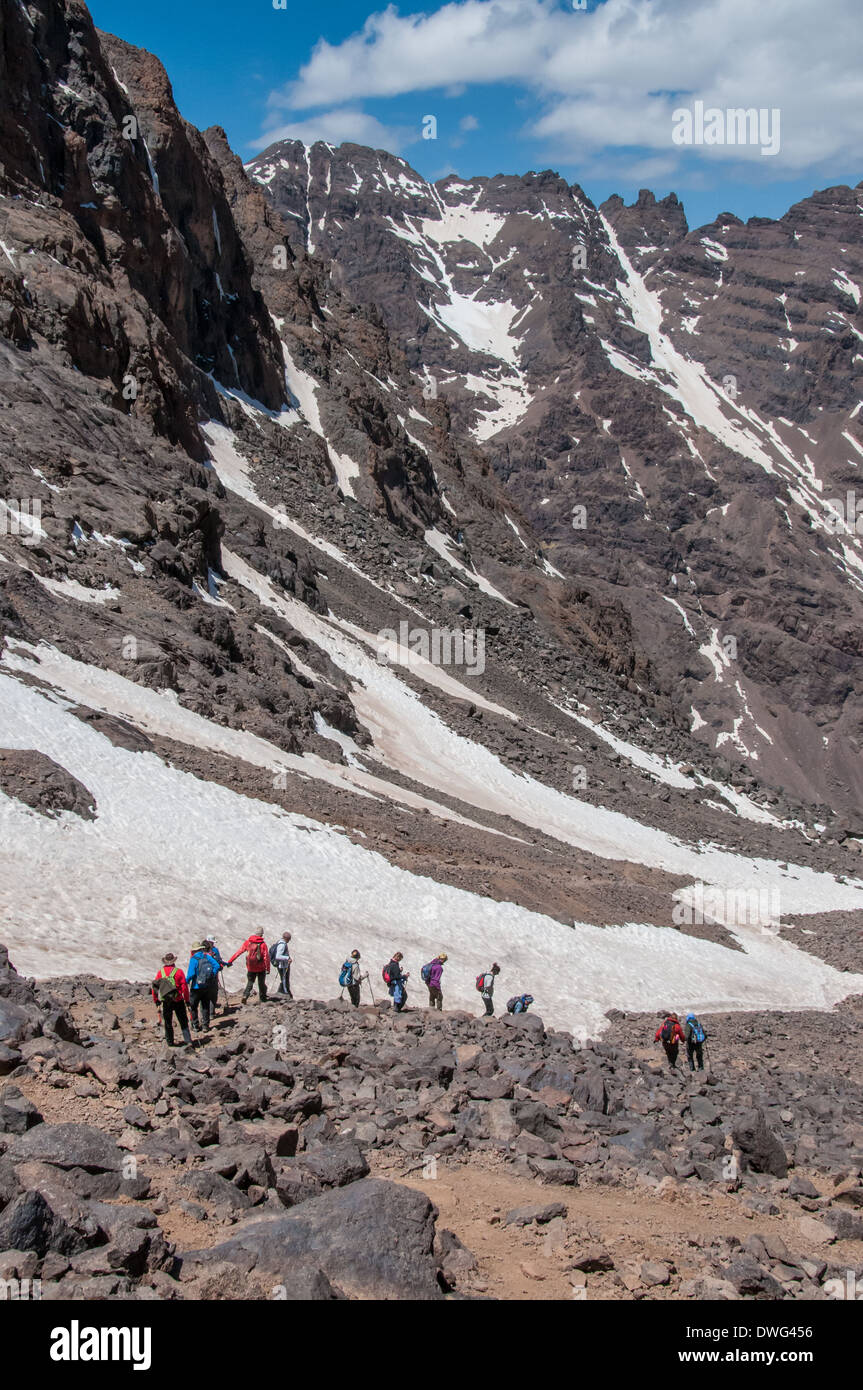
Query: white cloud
344, 124
611, 78
468, 123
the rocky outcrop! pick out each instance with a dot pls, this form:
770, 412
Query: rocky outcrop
679, 476
282, 1139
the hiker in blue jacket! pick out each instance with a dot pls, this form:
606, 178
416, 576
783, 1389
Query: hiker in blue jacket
202, 978
396, 980
212, 949
695, 1035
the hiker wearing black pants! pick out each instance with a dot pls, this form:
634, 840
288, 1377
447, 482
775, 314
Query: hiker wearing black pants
487, 991
171, 995
355, 980
202, 978
670, 1034
396, 981
257, 965
283, 960
695, 1035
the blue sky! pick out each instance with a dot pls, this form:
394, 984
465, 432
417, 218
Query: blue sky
530, 84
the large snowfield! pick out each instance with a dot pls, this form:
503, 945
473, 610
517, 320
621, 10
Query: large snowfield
170, 857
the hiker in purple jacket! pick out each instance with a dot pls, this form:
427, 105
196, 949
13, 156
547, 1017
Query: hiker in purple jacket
435, 972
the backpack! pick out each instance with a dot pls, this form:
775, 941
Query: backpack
426, 973
205, 973
346, 973
386, 975
667, 1031
166, 986
519, 1003
698, 1033
255, 954
480, 981
273, 950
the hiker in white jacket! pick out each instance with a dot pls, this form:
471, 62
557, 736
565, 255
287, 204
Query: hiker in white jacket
282, 962
487, 994
357, 977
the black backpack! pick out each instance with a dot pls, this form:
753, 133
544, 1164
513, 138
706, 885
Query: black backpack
273, 950
206, 972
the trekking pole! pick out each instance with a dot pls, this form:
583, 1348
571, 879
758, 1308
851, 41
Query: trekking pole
369, 983
225, 989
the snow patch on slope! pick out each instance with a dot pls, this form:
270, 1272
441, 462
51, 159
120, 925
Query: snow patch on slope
194, 853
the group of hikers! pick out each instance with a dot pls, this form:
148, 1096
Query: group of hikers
395, 979
177, 994
692, 1034
195, 992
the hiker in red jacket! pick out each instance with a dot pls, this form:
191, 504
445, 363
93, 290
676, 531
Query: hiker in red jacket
257, 965
670, 1034
171, 995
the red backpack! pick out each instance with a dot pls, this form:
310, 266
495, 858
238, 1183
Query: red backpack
480, 981
255, 954
386, 974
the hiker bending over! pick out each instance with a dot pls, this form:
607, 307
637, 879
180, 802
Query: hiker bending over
257, 965
171, 995
432, 974
280, 954
695, 1036
485, 985
519, 1003
351, 977
670, 1034
202, 977
395, 980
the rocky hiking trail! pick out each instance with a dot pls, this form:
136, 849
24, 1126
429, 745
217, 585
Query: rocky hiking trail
306, 1150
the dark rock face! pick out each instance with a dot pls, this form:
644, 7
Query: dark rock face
373, 1239
761, 1149
577, 407
109, 180
41, 784
29, 1223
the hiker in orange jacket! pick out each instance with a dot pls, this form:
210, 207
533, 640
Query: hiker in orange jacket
257, 965
670, 1034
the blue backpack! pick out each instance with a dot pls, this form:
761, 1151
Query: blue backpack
426, 972
698, 1032
346, 973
